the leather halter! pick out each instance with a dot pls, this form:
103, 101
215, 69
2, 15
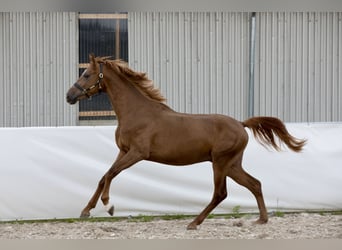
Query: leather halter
97, 84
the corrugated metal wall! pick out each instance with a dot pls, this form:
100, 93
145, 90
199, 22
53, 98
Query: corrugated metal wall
298, 67
199, 60
38, 63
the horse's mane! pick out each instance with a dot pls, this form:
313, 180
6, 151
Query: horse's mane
138, 79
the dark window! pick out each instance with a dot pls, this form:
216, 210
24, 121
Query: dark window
103, 35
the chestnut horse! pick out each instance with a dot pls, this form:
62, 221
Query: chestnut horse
150, 130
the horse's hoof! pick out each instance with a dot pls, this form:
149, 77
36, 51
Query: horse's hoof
260, 221
110, 209
192, 226
84, 215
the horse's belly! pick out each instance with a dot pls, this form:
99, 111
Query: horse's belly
180, 155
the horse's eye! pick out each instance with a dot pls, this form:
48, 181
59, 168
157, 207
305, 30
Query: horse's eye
86, 76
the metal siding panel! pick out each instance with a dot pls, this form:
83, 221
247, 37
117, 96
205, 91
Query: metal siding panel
298, 71
38, 64
198, 60
311, 66
337, 104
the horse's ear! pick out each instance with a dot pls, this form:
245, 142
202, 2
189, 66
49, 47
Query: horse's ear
92, 58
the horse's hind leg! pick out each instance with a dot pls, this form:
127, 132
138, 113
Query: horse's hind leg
220, 193
243, 178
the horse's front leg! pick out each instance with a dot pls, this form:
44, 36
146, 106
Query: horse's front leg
93, 201
130, 158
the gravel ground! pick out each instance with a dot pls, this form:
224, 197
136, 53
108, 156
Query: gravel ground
290, 226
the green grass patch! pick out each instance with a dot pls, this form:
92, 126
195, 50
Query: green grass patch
141, 218
175, 217
279, 213
236, 213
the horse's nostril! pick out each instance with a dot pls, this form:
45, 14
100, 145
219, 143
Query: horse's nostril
70, 99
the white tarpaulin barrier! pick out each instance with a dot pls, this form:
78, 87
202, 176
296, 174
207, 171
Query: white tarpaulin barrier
52, 173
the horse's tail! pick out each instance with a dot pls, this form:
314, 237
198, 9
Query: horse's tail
264, 129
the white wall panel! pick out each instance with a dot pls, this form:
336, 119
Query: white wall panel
38, 63
59, 168
199, 60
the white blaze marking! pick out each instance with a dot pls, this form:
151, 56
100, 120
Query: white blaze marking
108, 207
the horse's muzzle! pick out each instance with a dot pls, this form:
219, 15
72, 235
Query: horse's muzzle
71, 99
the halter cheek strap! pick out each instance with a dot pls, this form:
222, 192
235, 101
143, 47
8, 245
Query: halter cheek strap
97, 84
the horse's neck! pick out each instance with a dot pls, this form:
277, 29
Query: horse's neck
126, 100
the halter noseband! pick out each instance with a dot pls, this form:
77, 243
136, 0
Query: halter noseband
86, 91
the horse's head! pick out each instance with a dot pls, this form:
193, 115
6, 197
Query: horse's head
88, 84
